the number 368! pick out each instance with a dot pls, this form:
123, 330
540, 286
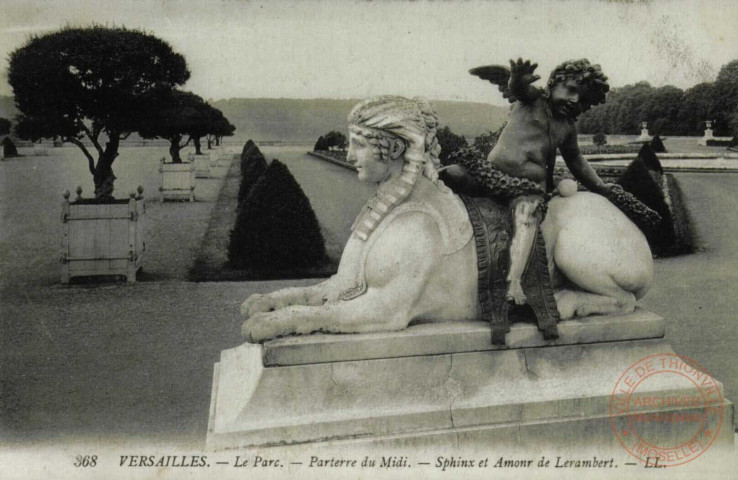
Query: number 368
85, 461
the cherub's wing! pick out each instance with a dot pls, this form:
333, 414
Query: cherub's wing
498, 75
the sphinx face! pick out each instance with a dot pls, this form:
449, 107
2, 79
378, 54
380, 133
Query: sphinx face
369, 166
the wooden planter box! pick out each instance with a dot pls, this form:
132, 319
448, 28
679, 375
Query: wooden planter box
202, 165
225, 159
177, 181
102, 239
213, 155
40, 150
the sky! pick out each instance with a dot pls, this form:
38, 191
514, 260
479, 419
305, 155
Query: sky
351, 49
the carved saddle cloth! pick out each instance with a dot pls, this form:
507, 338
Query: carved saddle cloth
491, 222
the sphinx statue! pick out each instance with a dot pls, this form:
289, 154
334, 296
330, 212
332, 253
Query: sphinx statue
416, 249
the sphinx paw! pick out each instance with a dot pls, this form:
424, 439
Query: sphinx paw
257, 303
259, 328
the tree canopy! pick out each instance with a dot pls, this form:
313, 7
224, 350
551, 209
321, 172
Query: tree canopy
86, 84
175, 114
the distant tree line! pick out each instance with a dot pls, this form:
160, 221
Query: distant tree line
669, 110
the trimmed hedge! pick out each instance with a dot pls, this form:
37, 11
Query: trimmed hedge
607, 149
719, 143
253, 165
276, 227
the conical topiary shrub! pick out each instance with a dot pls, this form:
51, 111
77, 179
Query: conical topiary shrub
253, 165
657, 144
647, 155
276, 228
645, 185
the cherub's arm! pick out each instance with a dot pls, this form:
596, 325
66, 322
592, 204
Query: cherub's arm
521, 79
578, 166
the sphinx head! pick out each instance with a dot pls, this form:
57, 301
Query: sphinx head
392, 141
395, 128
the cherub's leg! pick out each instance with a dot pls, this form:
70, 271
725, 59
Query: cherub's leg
525, 222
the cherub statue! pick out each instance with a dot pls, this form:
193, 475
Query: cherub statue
541, 121
412, 254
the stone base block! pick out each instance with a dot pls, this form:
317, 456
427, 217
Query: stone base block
438, 385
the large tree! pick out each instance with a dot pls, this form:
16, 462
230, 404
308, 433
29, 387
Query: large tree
84, 86
181, 117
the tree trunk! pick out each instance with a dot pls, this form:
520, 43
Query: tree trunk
210, 142
174, 150
196, 141
103, 176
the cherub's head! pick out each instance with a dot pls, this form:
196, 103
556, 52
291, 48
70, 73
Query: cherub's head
575, 86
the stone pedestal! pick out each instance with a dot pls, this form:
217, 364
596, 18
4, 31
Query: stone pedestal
707, 136
436, 386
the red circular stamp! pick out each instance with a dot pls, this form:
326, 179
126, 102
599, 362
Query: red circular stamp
666, 410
